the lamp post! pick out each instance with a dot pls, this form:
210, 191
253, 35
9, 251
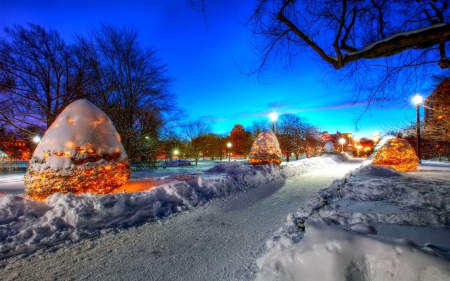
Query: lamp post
229, 154
273, 117
417, 101
342, 141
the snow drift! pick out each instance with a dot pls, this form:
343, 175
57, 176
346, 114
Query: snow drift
342, 239
27, 225
332, 254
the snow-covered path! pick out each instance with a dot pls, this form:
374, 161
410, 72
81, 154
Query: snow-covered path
217, 241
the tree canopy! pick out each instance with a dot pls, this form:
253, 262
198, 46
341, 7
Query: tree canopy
384, 49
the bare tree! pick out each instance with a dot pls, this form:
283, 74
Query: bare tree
196, 133
383, 46
197, 5
290, 134
218, 147
131, 86
257, 127
41, 75
297, 136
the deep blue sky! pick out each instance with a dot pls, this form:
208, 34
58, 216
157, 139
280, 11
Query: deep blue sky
204, 53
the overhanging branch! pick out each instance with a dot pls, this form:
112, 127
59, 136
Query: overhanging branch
415, 39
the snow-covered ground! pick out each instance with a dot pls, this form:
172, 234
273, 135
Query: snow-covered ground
378, 224
219, 239
226, 215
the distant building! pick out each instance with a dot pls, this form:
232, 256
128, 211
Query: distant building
348, 146
15, 148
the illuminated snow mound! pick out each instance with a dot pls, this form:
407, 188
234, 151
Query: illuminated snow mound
397, 154
265, 149
80, 152
328, 148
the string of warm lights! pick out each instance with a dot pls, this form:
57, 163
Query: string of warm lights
397, 154
265, 149
100, 180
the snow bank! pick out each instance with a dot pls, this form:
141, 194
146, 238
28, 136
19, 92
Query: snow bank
330, 253
296, 168
369, 197
411, 201
27, 225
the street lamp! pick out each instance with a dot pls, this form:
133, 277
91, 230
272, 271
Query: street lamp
342, 141
273, 117
229, 146
175, 152
37, 139
417, 101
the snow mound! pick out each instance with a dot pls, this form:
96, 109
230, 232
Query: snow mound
233, 167
296, 168
376, 172
397, 199
363, 228
371, 195
330, 253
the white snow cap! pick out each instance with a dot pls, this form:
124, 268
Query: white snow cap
81, 125
329, 147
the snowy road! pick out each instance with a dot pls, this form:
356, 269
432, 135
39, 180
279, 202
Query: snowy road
217, 241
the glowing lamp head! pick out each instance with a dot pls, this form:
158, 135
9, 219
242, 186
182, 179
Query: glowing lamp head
229, 145
342, 141
273, 117
417, 99
37, 139
176, 152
